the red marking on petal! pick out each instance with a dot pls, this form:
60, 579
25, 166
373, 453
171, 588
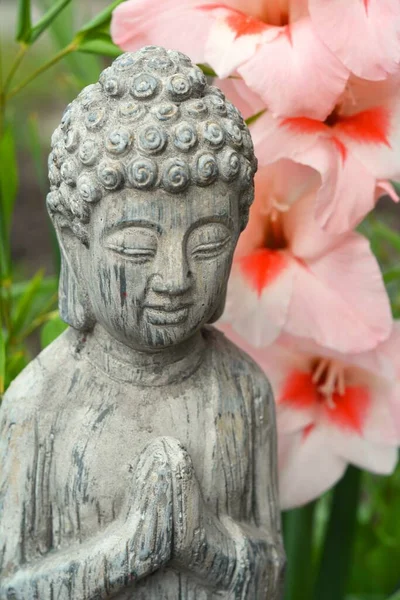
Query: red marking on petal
369, 126
341, 148
350, 410
306, 431
304, 125
347, 412
262, 267
299, 391
366, 5
240, 23
288, 32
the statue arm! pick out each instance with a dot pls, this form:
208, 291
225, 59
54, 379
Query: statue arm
126, 551
266, 536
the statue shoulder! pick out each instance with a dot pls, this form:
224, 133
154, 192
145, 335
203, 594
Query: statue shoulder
240, 364
29, 391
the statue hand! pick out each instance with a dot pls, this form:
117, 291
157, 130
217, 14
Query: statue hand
149, 544
188, 504
260, 564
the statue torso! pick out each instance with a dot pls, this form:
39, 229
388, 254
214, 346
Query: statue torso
90, 430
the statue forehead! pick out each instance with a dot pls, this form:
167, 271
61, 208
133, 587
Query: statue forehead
214, 203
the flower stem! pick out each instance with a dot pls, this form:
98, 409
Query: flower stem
298, 533
334, 567
64, 52
17, 61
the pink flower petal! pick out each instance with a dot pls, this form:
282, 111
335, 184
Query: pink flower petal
277, 138
295, 73
263, 282
307, 467
241, 96
347, 193
339, 300
377, 458
173, 24
373, 137
233, 39
381, 426
364, 35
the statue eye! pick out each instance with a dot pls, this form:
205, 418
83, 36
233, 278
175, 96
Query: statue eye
136, 244
209, 241
211, 249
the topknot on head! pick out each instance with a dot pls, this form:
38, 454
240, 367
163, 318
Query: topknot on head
151, 121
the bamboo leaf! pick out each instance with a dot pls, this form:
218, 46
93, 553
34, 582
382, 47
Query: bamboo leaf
207, 70
102, 20
100, 43
25, 302
47, 19
8, 179
255, 117
24, 24
2, 361
51, 330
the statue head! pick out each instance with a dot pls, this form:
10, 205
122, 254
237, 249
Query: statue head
151, 174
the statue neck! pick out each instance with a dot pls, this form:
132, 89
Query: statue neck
153, 368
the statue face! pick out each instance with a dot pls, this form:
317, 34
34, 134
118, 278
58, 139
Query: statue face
158, 264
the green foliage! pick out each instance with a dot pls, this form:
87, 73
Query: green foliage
102, 21
99, 43
51, 330
24, 24
8, 191
27, 33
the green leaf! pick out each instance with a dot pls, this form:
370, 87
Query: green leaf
388, 235
100, 43
102, 20
47, 19
2, 361
14, 365
8, 179
24, 23
391, 275
336, 560
25, 302
255, 117
51, 330
298, 527
207, 70
395, 597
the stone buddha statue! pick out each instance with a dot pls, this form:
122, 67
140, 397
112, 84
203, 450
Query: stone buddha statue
137, 451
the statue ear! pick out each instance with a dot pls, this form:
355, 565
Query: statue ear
74, 302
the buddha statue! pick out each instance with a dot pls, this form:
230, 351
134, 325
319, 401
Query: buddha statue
137, 451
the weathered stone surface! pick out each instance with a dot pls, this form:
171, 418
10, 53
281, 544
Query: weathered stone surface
138, 451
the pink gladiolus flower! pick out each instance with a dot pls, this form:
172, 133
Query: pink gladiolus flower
332, 410
273, 44
356, 149
290, 276
363, 34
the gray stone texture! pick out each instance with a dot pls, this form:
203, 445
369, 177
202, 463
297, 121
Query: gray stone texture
138, 451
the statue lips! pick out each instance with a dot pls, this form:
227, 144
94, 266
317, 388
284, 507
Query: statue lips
158, 314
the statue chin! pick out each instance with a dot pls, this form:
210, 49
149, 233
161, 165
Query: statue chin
138, 450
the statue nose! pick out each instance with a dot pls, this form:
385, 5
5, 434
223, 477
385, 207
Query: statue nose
173, 276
